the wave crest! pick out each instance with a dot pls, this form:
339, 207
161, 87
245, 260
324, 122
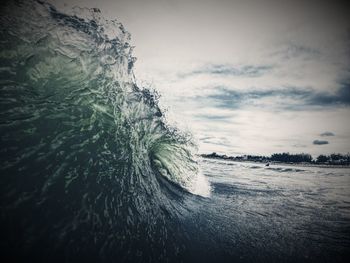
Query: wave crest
82, 62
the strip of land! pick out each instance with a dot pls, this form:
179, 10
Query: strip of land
302, 159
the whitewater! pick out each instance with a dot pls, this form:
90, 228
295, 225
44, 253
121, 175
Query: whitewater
91, 170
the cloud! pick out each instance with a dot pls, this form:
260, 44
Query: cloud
340, 97
319, 142
229, 70
228, 98
215, 140
293, 50
212, 117
291, 98
325, 134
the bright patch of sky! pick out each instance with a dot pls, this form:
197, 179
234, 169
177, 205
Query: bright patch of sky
245, 77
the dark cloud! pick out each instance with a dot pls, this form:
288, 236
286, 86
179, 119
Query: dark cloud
213, 117
229, 70
319, 142
325, 134
303, 98
227, 98
341, 97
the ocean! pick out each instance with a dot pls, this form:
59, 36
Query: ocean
280, 213
91, 170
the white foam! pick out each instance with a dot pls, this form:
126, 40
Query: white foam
201, 185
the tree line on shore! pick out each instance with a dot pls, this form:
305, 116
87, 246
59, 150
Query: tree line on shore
334, 159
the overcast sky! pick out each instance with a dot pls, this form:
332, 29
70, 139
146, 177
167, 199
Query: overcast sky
246, 76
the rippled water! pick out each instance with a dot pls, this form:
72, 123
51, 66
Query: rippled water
91, 171
279, 213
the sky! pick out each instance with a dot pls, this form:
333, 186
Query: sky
244, 77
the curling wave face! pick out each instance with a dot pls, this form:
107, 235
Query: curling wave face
89, 165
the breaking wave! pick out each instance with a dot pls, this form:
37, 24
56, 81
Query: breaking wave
89, 164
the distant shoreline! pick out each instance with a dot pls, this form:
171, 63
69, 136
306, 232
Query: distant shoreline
267, 160
284, 164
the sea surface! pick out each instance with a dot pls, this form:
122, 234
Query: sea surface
92, 171
283, 213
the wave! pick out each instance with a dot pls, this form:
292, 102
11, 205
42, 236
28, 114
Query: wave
283, 169
88, 158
